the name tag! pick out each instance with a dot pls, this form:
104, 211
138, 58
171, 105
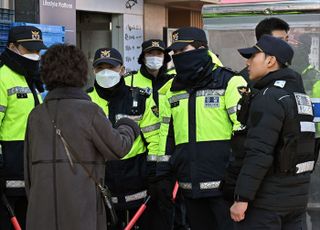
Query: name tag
212, 102
22, 95
174, 104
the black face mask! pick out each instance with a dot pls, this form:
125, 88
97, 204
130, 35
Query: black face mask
190, 65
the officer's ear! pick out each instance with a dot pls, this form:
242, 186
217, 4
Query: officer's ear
122, 70
271, 61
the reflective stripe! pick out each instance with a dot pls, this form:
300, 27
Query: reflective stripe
315, 100
305, 167
187, 186
211, 92
135, 118
202, 185
166, 120
15, 184
18, 89
232, 110
152, 158
2, 108
132, 197
179, 97
136, 196
307, 126
209, 185
164, 158
150, 128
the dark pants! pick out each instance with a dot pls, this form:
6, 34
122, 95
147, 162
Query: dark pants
210, 213
19, 205
180, 213
261, 219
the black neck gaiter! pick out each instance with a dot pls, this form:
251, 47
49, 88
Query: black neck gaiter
192, 67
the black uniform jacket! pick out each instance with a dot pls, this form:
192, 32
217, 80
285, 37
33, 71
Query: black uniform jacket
274, 121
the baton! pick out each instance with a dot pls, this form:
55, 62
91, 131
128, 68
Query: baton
137, 214
13, 218
175, 191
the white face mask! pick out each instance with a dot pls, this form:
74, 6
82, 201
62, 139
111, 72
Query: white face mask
33, 56
107, 78
154, 62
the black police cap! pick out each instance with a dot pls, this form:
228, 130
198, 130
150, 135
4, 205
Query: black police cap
107, 55
29, 37
272, 46
153, 44
186, 35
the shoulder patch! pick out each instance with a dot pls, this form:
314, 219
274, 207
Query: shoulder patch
304, 104
243, 90
155, 110
280, 83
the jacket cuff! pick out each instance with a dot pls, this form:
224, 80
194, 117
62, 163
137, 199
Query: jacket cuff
239, 198
131, 123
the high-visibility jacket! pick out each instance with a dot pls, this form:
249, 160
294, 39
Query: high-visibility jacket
200, 125
315, 94
16, 102
164, 116
127, 178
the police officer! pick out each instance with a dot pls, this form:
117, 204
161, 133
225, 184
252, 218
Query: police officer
19, 93
275, 176
199, 109
273, 26
153, 71
127, 178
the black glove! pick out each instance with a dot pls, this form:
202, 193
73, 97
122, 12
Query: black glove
129, 122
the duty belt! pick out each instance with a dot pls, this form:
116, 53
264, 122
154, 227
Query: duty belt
131, 197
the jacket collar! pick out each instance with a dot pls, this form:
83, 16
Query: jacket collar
67, 93
285, 74
145, 73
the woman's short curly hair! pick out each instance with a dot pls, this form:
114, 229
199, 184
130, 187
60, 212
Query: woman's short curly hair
64, 65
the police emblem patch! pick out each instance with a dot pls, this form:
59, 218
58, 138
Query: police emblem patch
35, 35
303, 104
175, 37
155, 44
212, 102
105, 54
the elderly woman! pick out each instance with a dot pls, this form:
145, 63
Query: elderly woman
67, 142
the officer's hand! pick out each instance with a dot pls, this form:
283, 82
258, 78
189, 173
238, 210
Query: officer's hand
237, 211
